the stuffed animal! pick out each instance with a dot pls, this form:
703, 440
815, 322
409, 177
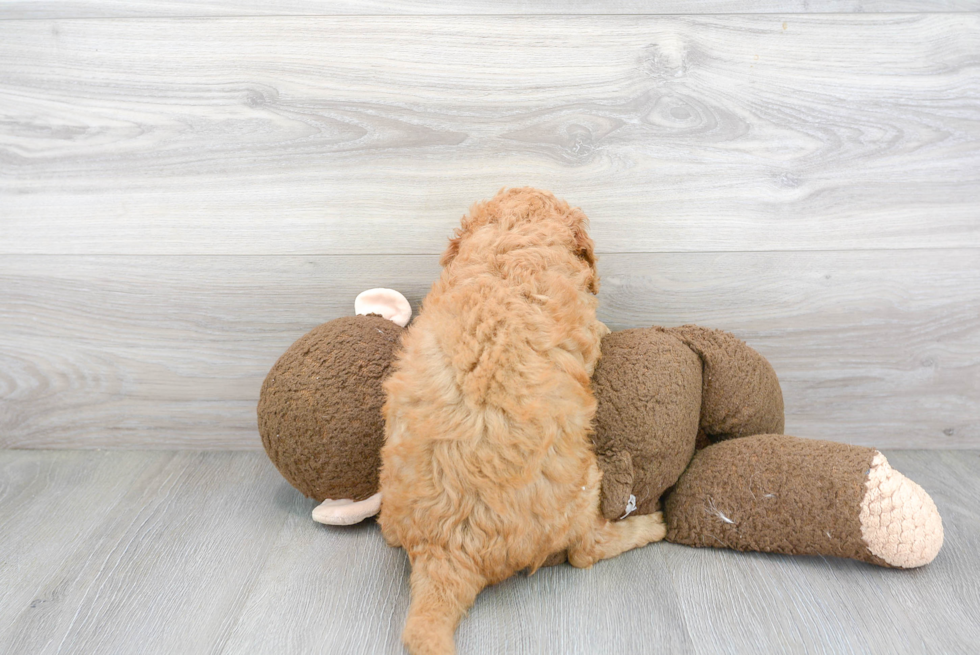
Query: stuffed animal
320, 407
689, 420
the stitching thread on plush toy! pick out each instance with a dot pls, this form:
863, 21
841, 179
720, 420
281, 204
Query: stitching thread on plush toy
711, 509
752, 484
721, 541
630, 506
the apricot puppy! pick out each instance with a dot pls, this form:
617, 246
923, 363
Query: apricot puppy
488, 467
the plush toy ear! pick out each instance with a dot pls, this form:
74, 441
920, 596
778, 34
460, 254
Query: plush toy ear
386, 302
346, 512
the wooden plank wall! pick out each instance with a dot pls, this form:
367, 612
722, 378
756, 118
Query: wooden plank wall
186, 188
194, 8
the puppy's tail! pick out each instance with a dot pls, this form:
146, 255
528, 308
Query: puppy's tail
442, 591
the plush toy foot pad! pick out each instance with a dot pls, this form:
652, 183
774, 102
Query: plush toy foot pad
899, 521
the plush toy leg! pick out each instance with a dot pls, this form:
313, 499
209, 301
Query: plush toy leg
740, 394
442, 591
612, 538
781, 494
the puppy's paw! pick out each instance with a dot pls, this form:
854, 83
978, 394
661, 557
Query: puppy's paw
652, 527
425, 638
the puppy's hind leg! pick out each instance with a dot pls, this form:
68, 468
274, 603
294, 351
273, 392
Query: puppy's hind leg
610, 538
442, 591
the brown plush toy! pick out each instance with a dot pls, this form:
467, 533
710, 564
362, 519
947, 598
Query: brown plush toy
320, 407
689, 419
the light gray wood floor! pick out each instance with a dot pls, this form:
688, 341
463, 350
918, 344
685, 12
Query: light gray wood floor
204, 552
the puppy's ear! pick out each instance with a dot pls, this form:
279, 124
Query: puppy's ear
585, 249
452, 250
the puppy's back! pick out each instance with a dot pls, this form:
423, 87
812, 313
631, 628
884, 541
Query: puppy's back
489, 408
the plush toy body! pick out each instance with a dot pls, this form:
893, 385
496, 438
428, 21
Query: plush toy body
664, 394
688, 418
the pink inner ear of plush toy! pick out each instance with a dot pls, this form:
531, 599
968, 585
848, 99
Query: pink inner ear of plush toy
386, 302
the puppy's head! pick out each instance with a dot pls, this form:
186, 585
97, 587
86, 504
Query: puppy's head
513, 208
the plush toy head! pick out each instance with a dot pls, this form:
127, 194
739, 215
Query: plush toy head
319, 410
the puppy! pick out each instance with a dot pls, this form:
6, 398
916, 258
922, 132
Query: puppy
487, 467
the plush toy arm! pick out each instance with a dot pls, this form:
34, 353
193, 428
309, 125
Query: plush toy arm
781, 494
740, 391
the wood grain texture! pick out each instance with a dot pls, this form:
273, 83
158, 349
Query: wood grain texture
164, 569
215, 553
875, 348
149, 349
49, 504
872, 348
21, 9
339, 135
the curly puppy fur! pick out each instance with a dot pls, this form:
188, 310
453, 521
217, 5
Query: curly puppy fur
488, 468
